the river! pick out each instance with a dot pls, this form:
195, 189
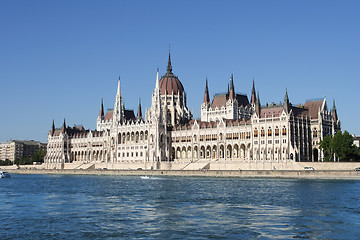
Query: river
129, 207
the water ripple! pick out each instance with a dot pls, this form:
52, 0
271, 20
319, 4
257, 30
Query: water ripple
115, 207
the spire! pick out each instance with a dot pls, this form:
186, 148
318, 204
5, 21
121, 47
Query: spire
228, 92
286, 98
169, 68
118, 88
139, 114
118, 115
232, 90
253, 94
206, 94
101, 114
52, 128
64, 127
334, 112
157, 85
286, 102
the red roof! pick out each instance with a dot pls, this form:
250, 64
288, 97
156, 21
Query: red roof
220, 100
213, 124
129, 114
314, 107
271, 111
109, 115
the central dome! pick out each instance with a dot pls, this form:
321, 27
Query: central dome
169, 83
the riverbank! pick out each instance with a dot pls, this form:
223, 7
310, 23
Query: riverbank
331, 174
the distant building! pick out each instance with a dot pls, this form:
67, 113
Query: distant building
356, 140
231, 128
17, 149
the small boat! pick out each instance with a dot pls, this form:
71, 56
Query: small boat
4, 175
145, 177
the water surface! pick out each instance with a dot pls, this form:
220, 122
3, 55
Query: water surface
128, 207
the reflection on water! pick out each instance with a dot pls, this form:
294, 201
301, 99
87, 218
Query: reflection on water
113, 207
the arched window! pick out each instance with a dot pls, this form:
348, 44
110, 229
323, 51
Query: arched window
284, 131
269, 132
315, 133
137, 137
256, 133
262, 132
276, 131
168, 117
119, 138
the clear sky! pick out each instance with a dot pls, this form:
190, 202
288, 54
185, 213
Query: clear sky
59, 58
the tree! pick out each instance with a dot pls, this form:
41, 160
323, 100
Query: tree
341, 145
325, 145
38, 156
5, 162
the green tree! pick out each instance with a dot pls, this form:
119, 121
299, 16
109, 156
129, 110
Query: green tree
325, 146
341, 145
5, 162
38, 156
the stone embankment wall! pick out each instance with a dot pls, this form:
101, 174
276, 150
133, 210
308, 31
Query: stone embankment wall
202, 165
326, 166
204, 173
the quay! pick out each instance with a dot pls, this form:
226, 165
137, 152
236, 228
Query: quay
325, 174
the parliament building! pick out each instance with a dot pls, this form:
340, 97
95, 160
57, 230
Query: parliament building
233, 131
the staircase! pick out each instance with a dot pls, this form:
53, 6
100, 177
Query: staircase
198, 165
86, 166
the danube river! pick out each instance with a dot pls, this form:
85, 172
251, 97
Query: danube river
129, 207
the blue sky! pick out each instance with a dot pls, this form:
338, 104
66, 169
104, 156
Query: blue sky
59, 58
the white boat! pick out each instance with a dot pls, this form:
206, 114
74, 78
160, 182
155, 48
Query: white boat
4, 174
144, 177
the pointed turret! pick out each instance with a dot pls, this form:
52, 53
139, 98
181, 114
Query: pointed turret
118, 115
118, 88
286, 102
139, 114
101, 114
52, 128
155, 110
334, 112
169, 67
253, 94
64, 127
206, 94
232, 90
157, 85
258, 105
228, 91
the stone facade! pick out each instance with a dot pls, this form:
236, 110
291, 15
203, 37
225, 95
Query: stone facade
231, 129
